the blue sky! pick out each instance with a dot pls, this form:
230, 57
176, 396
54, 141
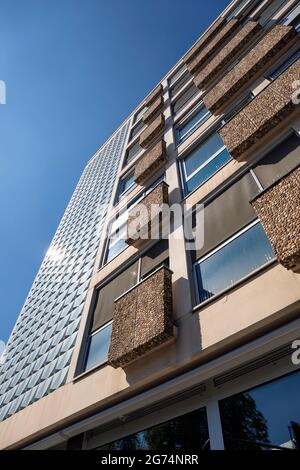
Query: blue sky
74, 69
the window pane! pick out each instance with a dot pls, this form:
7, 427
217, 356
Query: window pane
98, 347
189, 431
105, 305
177, 74
185, 98
227, 214
116, 248
190, 126
240, 257
133, 151
126, 183
136, 129
154, 257
203, 153
208, 170
139, 114
285, 64
182, 81
262, 414
279, 162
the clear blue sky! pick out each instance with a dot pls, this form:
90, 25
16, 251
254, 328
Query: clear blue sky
74, 69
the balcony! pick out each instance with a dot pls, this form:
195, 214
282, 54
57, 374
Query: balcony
276, 41
142, 221
203, 41
152, 161
231, 49
278, 208
153, 111
212, 46
142, 319
156, 93
153, 132
263, 114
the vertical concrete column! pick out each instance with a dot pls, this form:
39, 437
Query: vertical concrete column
188, 326
181, 289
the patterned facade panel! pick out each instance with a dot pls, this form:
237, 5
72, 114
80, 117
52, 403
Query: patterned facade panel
40, 348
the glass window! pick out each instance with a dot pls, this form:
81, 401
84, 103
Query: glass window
118, 229
263, 416
285, 65
136, 129
177, 74
132, 152
238, 107
239, 256
126, 184
156, 256
98, 347
116, 244
292, 18
180, 83
182, 101
194, 120
139, 114
205, 162
187, 432
279, 162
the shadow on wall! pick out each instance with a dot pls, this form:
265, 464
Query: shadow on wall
166, 358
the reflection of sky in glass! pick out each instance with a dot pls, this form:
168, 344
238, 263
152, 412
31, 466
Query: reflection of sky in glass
199, 118
203, 153
99, 345
279, 402
208, 170
235, 260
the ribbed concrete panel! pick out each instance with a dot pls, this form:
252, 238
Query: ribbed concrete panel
40, 348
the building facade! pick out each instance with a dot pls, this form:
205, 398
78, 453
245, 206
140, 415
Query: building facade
132, 343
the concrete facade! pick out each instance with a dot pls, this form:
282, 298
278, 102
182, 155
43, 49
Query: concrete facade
169, 350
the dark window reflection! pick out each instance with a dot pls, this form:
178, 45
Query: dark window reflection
189, 431
261, 418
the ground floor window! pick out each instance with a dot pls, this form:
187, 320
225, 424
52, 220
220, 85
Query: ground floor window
189, 431
263, 417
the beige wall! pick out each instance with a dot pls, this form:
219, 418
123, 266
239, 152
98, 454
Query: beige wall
265, 300
228, 321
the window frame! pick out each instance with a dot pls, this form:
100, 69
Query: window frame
173, 79
236, 235
180, 94
133, 128
132, 203
138, 115
122, 193
189, 116
89, 338
193, 148
83, 356
277, 70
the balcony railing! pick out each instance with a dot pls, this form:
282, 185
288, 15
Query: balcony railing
152, 161
227, 53
153, 110
263, 114
142, 319
204, 40
143, 221
278, 208
156, 93
276, 41
218, 41
153, 132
